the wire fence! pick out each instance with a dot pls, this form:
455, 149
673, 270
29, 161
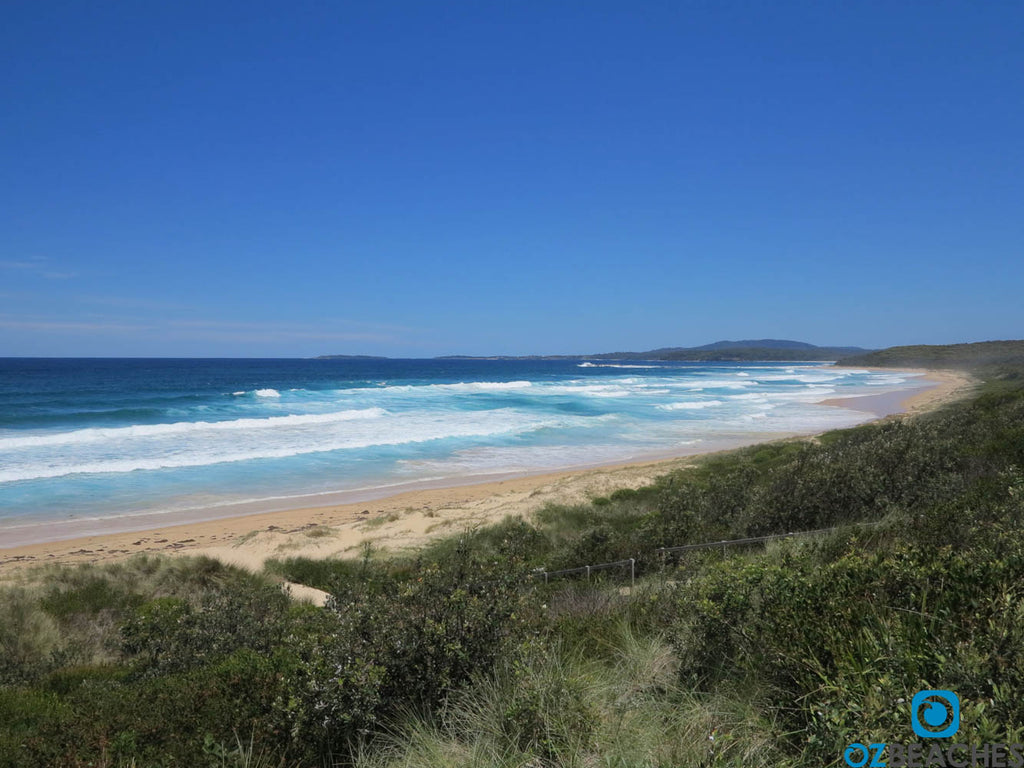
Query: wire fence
590, 569
664, 552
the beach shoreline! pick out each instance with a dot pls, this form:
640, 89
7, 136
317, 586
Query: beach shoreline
408, 518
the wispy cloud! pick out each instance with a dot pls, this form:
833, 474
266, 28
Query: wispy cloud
267, 331
37, 266
201, 330
74, 326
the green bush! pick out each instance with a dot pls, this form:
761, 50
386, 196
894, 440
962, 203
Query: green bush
26, 715
406, 644
847, 640
172, 634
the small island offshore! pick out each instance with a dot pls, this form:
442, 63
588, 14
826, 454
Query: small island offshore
577, 619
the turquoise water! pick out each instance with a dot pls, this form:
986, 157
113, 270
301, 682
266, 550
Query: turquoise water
108, 444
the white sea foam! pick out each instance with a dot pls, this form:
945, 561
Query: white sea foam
818, 378
694, 405
589, 387
810, 394
805, 376
170, 451
116, 434
459, 387
299, 439
601, 387
885, 381
259, 393
616, 365
588, 390
725, 384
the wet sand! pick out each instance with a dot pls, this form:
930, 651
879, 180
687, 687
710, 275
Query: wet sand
942, 387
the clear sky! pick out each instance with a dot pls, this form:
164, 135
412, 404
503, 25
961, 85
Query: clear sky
421, 178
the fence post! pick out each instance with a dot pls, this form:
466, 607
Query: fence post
588, 573
632, 572
545, 577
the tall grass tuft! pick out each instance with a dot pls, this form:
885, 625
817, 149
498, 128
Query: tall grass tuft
29, 636
552, 706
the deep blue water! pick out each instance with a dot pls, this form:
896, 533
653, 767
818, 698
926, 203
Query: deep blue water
98, 439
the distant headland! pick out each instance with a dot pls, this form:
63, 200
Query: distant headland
350, 357
773, 350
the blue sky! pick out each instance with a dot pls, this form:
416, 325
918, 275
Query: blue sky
414, 179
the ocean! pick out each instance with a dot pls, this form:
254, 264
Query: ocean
97, 445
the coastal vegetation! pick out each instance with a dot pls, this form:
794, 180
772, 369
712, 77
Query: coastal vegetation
463, 654
778, 350
993, 358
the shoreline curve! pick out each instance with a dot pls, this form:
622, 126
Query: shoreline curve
409, 518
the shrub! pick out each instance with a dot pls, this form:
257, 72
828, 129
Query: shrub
171, 634
406, 644
868, 628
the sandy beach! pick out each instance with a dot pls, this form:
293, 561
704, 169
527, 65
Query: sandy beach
408, 519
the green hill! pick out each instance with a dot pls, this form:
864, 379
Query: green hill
777, 350
992, 355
